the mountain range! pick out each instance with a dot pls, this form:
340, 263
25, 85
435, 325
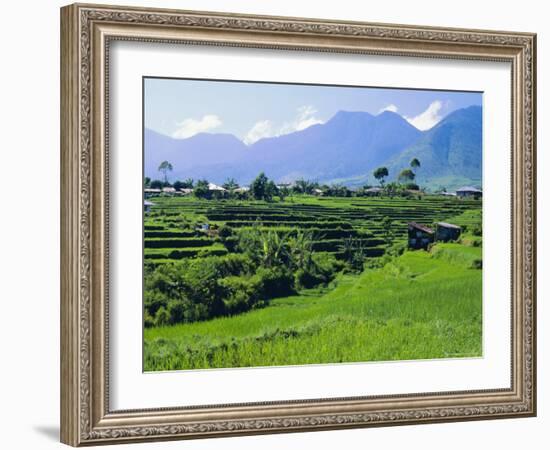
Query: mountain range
346, 149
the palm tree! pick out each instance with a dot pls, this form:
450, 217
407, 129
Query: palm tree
165, 167
300, 248
273, 246
304, 186
230, 184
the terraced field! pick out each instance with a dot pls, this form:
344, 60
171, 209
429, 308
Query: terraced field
184, 227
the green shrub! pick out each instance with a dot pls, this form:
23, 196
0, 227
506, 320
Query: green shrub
477, 264
162, 317
244, 293
176, 310
275, 282
305, 279
153, 301
148, 320
322, 270
476, 230
327, 266
397, 249
192, 290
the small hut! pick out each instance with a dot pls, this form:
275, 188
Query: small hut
447, 232
469, 192
420, 236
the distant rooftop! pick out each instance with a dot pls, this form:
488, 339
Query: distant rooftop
215, 187
468, 189
421, 227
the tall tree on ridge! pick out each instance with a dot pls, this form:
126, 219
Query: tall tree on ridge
380, 174
165, 167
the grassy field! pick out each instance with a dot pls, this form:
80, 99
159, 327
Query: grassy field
420, 305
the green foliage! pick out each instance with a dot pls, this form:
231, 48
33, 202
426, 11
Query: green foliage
201, 189
185, 184
406, 175
322, 270
389, 232
191, 290
336, 190
476, 230
156, 184
258, 187
148, 321
420, 307
271, 190
230, 184
275, 282
162, 317
380, 173
302, 186
412, 186
354, 253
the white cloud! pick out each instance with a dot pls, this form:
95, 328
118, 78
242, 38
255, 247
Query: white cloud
391, 107
427, 119
260, 130
305, 117
190, 127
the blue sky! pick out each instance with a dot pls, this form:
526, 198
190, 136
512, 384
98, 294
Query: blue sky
251, 111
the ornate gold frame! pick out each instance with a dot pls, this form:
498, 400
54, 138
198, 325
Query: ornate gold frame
86, 31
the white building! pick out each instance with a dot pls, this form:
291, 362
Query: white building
215, 187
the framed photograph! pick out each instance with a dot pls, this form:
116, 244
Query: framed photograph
278, 224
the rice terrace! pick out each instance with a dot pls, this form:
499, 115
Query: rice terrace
290, 260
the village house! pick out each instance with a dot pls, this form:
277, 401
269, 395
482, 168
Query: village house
469, 192
374, 191
447, 232
215, 187
420, 236
186, 191
149, 192
317, 191
169, 190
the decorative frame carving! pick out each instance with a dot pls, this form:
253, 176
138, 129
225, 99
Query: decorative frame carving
86, 31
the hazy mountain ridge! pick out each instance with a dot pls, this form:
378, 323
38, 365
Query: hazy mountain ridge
347, 148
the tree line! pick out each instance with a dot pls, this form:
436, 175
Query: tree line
263, 188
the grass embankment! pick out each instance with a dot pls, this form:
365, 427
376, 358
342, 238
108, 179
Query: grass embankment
419, 306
